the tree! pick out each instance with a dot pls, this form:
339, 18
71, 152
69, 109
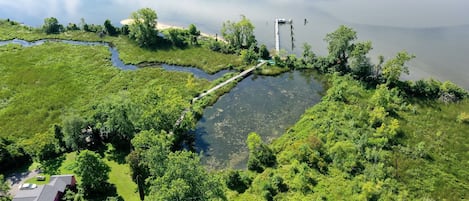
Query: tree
42, 146
393, 68
360, 64
344, 155
151, 149
185, 179
177, 37
4, 189
308, 55
249, 56
109, 28
264, 52
260, 155
72, 27
72, 129
143, 27
378, 67
115, 119
194, 34
92, 170
235, 181
239, 34
51, 26
340, 45
125, 29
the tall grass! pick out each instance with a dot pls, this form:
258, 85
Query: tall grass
40, 84
130, 53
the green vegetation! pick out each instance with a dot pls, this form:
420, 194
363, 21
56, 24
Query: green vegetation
239, 34
4, 188
36, 181
142, 29
130, 53
200, 57
272, 70
51, 26
373, 137
120, 177
92, 170
171, 175
437, 166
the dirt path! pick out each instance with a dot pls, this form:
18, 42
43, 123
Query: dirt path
19, 178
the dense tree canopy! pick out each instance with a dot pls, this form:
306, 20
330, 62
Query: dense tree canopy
74, 137
143, 27
184, 178
172, 175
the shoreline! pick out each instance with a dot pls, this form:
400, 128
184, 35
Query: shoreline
163, 26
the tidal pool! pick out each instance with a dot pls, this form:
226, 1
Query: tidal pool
263, 104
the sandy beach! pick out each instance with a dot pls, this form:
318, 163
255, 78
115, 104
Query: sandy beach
162, 26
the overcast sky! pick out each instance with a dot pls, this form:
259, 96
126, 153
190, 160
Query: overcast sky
407, 13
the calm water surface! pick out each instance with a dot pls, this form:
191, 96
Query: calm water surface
262, 104
436, 31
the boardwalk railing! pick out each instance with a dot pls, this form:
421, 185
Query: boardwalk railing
240, 75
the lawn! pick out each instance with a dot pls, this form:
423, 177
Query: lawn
119, 176
35, 181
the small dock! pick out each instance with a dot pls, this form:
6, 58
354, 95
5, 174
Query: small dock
278, 22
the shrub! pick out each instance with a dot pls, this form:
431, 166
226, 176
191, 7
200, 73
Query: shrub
450, 89
463, 118
237, 182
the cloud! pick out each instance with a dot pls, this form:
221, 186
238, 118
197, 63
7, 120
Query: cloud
72, 7
43, 7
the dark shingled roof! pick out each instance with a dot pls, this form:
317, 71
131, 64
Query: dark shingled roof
48, 192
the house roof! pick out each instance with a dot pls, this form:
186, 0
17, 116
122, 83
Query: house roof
48, 192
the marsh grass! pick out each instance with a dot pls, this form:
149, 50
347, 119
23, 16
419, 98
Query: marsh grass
130, 53
40, 84
443, 172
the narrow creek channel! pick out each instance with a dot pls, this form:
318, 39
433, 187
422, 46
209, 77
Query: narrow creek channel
115, 59
267, 105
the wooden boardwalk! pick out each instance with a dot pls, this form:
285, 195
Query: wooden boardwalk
240, 75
